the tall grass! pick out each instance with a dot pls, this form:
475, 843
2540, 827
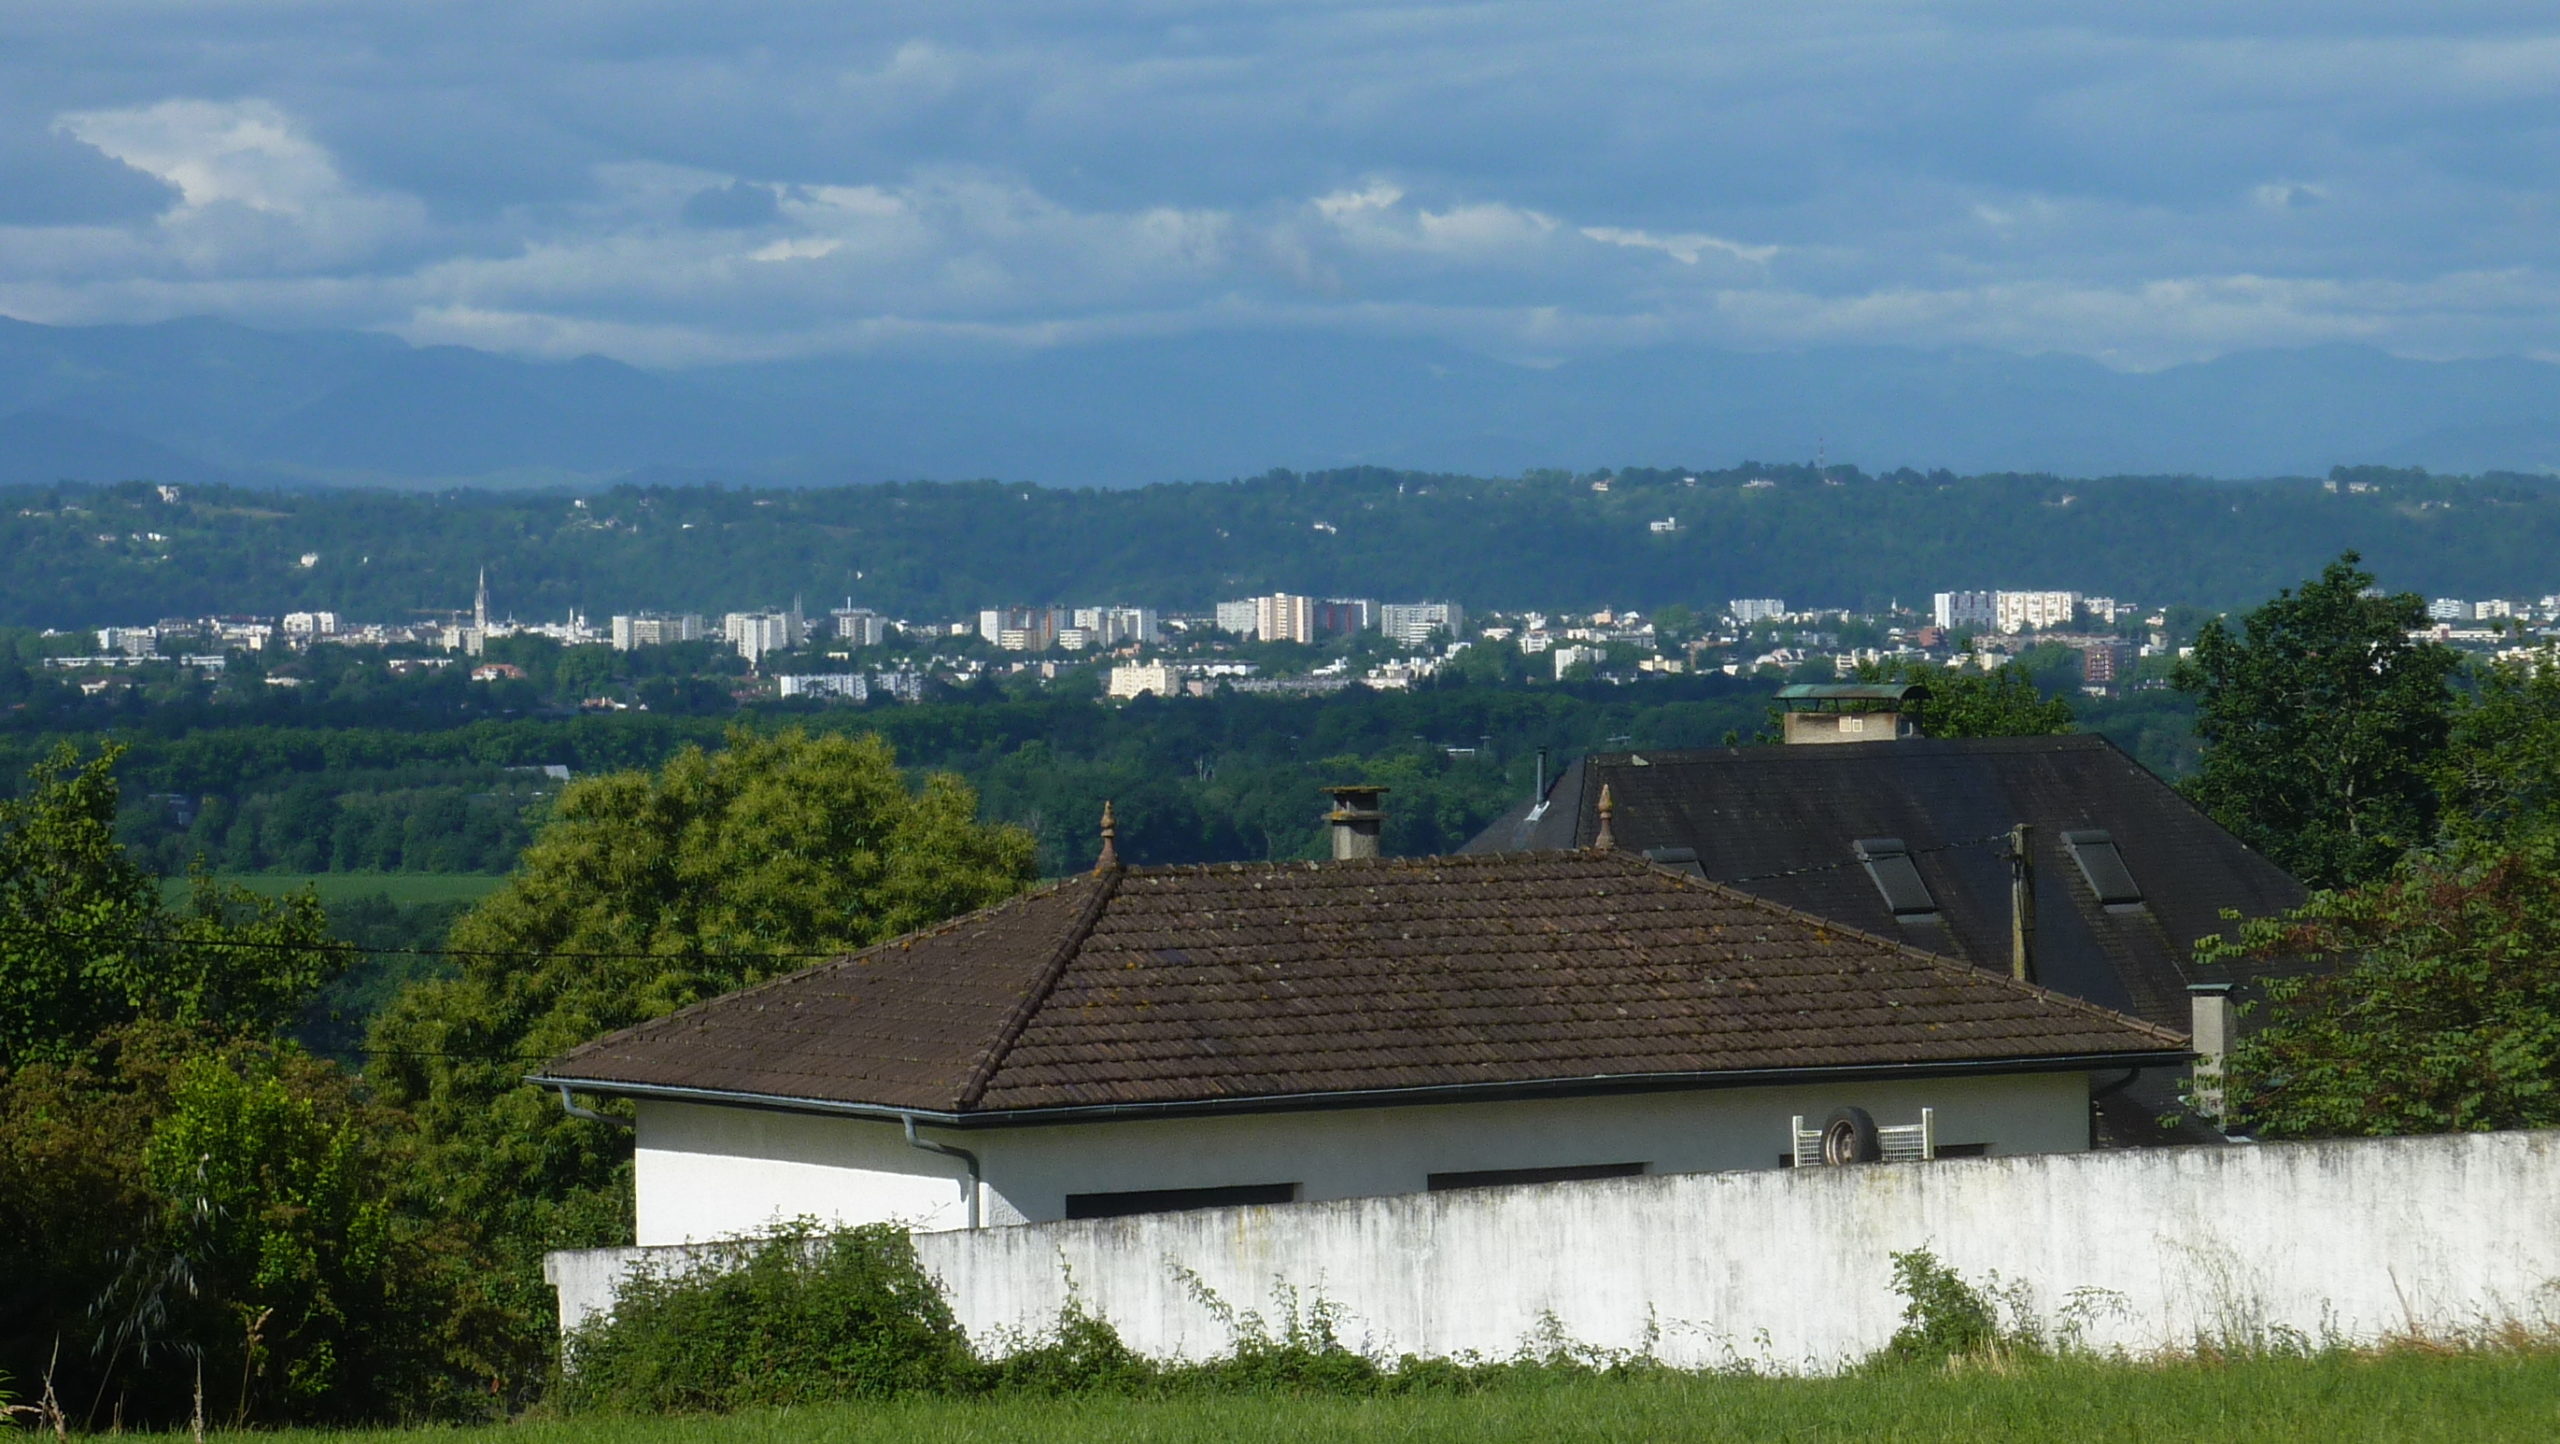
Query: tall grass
2337, 1398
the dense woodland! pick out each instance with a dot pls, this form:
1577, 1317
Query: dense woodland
81, 556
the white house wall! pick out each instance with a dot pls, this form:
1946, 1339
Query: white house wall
711, 1172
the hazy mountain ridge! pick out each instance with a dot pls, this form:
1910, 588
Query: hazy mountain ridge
74, 556
199, 398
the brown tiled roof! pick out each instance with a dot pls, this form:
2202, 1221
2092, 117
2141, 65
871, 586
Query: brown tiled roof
1201, 985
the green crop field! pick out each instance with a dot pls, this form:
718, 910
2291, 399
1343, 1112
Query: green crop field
2404, 1397
401, 887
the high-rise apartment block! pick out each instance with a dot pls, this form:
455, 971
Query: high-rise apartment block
1021, 629
2034, 611
655, 629
1117, 626
1411, 624
861, 626
758, 634
1136, 679
1238, 617
1747, 610
1966, 611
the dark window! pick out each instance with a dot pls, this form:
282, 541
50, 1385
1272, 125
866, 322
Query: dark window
1495, 1177
1964, 1150
2104, 867
1898, 878
1678, 859
1175, 1200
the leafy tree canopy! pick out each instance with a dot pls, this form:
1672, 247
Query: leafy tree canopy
1963, 702
2321, 720
2431, 1004
647, 891
85, 944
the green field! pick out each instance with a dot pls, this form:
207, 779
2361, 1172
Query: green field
2407, 1396
401, 887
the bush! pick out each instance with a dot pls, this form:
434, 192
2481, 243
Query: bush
804, 1316
1944, 1318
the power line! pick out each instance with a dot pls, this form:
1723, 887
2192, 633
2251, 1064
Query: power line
173, 940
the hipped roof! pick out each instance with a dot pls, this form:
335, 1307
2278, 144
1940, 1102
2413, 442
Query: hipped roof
1294, 984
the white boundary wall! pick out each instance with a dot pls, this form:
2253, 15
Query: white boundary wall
1789, 1270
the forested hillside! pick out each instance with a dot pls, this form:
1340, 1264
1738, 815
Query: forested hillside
78, 556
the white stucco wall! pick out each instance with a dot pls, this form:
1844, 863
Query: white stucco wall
705, 1172
1789, 1269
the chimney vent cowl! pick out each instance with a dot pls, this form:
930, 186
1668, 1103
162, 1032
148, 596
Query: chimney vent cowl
1355, 820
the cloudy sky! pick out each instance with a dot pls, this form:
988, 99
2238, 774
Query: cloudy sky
674, 182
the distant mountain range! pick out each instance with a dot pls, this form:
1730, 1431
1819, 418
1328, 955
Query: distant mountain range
203, 400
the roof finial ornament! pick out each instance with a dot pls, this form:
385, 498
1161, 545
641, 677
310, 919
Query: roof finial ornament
1606, 840
1110, 841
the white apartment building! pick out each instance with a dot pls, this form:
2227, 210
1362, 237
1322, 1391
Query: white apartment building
2034, 611
1411, 624
1569, 657
1118, 626
1747, 610
306, 625
861, 626
131, 641
848, 685
2448, 609
1282, 617
1020, 629
655, 629
755, 634
1966, 611
1136, 679
1237, 617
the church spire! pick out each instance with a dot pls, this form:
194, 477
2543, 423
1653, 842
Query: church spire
480, 605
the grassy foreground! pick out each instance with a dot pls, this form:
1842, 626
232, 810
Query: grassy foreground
2403, 1396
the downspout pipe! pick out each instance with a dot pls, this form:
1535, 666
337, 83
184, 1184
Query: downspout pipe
570, 1106
967, 1158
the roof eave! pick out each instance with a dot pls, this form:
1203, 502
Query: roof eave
1585, 1086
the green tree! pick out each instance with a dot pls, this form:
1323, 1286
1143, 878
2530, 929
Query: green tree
645, 892
2427, 1001
2321, 721
179, 1205
1963, 702
85, 945
2499, 775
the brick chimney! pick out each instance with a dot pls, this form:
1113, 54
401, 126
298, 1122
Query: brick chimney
1355, 820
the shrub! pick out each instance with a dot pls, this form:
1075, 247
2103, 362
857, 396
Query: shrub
1944, 1318
804, 1316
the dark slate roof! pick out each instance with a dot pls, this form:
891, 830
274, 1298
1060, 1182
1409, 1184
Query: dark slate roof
1783, 823
1261, 984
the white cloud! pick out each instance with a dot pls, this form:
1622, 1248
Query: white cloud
1686, 247
254, 193
2130, 183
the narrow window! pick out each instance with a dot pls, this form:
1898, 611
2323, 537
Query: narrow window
1678, 859
1898, 878
2103, 865
1964, 1150
1176, 1200
1496, 1177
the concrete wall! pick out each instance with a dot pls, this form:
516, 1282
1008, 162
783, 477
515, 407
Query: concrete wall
705, 1173
1789, 1269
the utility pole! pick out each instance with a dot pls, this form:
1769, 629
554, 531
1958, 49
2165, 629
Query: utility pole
2022, 904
